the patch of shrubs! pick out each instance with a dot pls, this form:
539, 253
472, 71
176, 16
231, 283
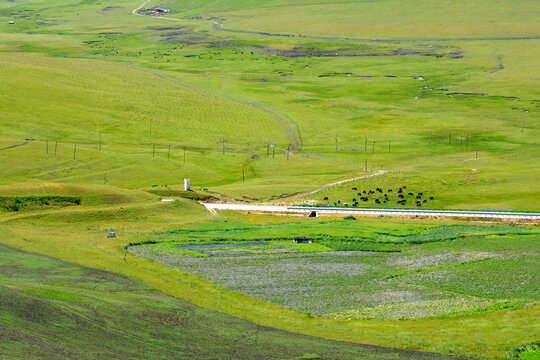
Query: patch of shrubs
530, 347
20, 203
192, 195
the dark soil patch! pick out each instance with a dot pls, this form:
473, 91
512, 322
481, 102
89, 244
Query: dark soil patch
165, 28
111, 8
225, 245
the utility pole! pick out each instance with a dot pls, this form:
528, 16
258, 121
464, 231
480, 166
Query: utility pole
223, 145
273, 151
430, 135
467, 141
373, 149
476, 154
337, 141
153, 151
288, 151
243, 175
365, 146
55, 147
47, 146
75, 151
169, 155
365, 165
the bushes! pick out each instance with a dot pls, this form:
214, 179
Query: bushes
516, 353
192, 195
19, 203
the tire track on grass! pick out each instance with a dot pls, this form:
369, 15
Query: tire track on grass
290, 126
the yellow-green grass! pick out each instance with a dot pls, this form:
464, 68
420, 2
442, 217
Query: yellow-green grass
65, 86
53, 308
377, 108
79, 236
378, 19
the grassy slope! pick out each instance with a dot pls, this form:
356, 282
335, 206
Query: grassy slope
48, 306
377, 108
389, 18
79, 235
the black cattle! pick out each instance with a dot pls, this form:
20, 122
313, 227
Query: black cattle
377, 201
335, 204
389, 190
420, 194
364, 199
400, 196
339, 201
410, 194
384, 201
359, 194
354, 188
326, 198
404, 187
418, 204
400, 191
418, 197
363, 192
354, 200
425, 201
431, 198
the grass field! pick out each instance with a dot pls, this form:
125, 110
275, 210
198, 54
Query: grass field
449, 272
48, 306
195, 86
103, 113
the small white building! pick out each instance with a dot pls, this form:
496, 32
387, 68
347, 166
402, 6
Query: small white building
187, 184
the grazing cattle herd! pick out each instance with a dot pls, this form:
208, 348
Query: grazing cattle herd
379, 196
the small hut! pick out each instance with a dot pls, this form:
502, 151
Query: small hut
302, 240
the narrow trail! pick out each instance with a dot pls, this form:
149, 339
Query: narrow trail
288, 124
322, 188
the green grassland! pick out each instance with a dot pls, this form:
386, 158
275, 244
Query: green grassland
490, 324
450, 272
54, 308
197, 85
111, 109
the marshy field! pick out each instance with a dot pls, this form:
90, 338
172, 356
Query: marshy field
106, 106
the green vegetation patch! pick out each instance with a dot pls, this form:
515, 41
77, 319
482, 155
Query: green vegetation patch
21, 203
364, 269
41, 314
192, 195
530, 351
